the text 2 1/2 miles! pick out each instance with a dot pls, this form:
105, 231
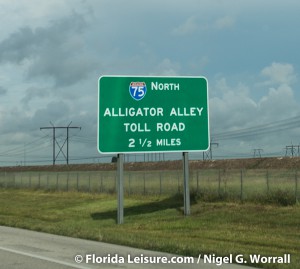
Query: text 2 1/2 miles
143, 142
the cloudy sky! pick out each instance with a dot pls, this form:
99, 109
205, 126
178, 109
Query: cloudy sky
53, 52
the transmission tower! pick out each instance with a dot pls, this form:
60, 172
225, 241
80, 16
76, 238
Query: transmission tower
291, 150
207, 155
56, 143
257, 153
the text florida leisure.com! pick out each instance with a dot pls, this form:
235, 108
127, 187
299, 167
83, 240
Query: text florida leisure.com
202, 258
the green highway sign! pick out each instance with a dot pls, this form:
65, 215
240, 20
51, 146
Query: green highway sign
152, 114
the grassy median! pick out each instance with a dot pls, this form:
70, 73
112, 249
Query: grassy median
157, 223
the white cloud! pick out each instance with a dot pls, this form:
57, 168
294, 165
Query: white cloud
224, 22
167, 68
235, 109
278, 104
191, 25
279, 73
187, 27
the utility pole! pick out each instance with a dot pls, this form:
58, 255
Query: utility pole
55, 142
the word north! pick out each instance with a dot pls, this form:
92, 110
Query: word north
165, 86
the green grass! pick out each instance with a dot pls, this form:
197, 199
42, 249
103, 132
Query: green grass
157, 223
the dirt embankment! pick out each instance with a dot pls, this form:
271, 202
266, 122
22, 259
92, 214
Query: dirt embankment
253, 163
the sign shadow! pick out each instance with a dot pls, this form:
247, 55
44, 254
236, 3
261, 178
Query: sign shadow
172, 202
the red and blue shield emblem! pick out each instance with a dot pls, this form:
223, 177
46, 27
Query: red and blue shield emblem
137, 90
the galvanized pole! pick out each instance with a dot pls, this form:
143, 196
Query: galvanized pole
296, 186
53, 142
186, 191
120, 188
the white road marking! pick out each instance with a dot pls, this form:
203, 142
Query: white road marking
73, 265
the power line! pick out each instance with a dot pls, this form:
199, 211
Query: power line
19, 149
257, 130
85, 140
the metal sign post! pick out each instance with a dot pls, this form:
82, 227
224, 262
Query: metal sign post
186, 191
120, 188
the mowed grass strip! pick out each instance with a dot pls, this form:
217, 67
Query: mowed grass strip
158, 223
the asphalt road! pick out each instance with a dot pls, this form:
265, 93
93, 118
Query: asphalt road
23, 249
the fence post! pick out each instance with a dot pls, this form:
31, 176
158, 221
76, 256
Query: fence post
296, 186
219, 183
197, 181
267, 177
77, 181
57, 175
129, 183
68, 181
144, 183
5, 180
101, 183
160, 183
242, 194
47, 181
178, 181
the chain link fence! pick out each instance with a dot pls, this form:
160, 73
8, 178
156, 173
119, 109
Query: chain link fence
208, 184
